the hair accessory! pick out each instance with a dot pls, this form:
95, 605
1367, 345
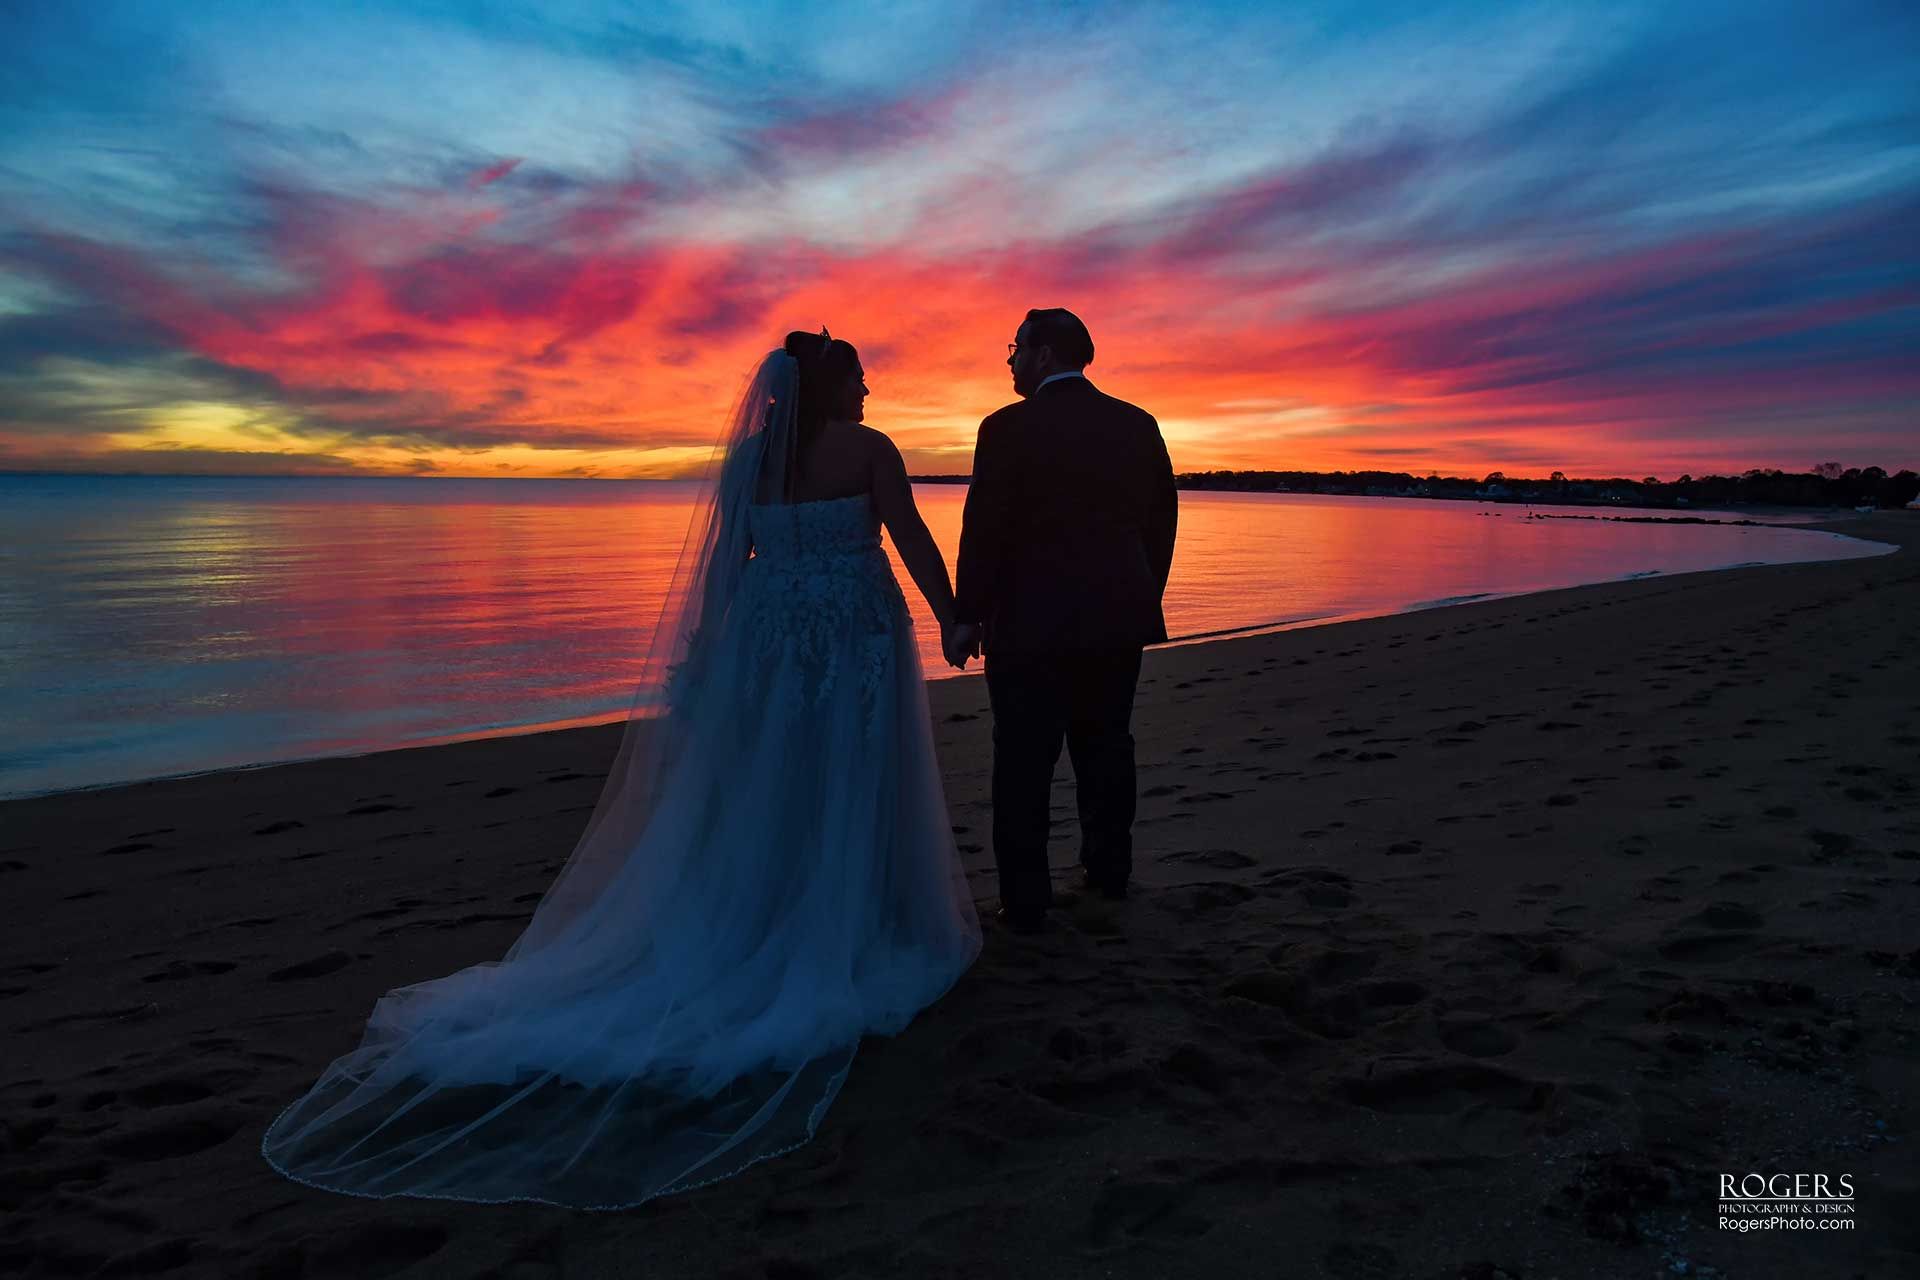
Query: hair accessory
826, 340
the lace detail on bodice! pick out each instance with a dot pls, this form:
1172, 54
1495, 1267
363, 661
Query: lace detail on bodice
828, 527
820, 594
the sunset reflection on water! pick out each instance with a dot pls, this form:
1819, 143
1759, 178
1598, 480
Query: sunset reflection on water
155, 626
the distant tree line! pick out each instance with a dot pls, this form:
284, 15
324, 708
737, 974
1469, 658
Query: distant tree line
1827, 485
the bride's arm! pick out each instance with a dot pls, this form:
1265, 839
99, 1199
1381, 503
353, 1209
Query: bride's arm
893, 499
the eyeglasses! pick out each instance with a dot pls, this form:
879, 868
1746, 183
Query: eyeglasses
1013, 348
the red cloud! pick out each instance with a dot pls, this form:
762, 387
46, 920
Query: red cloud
430, 320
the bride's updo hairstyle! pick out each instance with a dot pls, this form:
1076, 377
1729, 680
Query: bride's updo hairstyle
825, 365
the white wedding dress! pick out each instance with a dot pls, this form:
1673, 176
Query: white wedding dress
769, 876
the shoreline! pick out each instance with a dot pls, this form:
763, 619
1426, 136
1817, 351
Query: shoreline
1839, 525
1471, 940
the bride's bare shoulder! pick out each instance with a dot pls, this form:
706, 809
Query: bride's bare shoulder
876, 440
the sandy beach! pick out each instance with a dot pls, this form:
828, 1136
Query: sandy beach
1475, 942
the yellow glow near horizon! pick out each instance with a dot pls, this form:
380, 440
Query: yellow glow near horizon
664, 462
207, 427
210, 425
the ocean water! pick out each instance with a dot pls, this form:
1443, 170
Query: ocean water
153, 626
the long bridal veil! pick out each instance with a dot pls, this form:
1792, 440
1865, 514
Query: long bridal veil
755, 889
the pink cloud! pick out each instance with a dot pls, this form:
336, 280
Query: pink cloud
492, 173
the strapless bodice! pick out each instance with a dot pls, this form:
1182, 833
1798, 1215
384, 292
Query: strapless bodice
804, 530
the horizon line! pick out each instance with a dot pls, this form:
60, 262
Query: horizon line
925, 477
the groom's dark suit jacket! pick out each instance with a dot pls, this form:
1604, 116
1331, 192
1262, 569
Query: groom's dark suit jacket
1068, 534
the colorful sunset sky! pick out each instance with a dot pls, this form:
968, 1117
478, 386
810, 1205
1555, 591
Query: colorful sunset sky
551, 239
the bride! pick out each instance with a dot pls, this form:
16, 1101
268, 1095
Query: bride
768, 875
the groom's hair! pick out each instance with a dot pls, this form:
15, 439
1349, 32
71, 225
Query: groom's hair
1060, 329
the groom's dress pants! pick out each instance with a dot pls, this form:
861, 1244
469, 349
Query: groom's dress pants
1037, 700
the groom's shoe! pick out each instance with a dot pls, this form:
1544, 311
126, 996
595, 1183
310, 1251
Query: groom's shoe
1111, 890
1022, 921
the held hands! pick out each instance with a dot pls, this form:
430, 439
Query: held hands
960, 642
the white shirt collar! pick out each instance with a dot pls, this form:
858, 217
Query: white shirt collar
1055, 377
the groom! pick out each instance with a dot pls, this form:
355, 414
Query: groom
1064, 553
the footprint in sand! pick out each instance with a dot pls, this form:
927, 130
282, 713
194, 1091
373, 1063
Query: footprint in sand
170, 1091
455, 922
1224, 859
123, 1013
1125, 1211
1445, 1088
1707, 946
189, 969
317, 967
1477, 1037
1831, 844
1840, 900
173, 1138
1316, 886
1187, 901
1189, 1064
376, 1248
1204, 797
400, 907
